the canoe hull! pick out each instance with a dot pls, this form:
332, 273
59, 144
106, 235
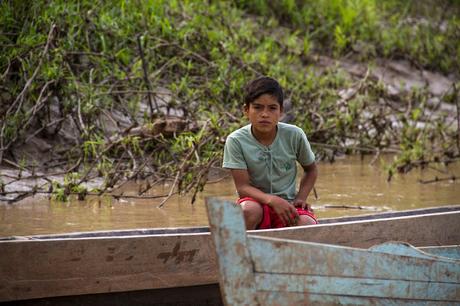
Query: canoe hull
95, 263
37, 268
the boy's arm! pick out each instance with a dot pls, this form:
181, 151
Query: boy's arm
285, 211
306, 185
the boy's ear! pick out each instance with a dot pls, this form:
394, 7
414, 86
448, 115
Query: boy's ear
245, 109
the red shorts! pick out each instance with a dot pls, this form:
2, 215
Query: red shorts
270, 218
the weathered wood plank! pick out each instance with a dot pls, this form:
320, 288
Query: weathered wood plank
451, 251
420, 230
66, 267
234, 261
405, 249
305, 298
359, 287
392, 214
296, 257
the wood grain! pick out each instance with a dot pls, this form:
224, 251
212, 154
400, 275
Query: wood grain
100, 262
284, 270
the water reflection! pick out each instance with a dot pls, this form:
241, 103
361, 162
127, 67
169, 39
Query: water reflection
347, 187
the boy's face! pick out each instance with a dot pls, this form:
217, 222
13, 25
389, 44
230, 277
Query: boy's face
264, 113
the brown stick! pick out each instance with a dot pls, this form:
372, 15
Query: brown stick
146, 78
24, 194
179, 173
458, 116
437, 179
325, 145
348, 207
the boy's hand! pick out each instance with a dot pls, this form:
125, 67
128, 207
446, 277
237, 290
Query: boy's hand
303, 204
285, 211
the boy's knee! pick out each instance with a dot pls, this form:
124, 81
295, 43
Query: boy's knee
306, 220
253, 214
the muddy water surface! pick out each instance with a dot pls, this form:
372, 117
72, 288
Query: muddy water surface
347, 187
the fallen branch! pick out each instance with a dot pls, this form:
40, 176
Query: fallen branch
355, 148
21, 195
437, 179
349, 207
146, 78
171, 190
457, 103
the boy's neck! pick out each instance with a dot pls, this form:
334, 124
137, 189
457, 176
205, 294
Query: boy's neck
265, 138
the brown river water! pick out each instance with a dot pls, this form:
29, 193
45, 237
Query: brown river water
350, 186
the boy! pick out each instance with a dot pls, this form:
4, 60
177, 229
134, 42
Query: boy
262, 159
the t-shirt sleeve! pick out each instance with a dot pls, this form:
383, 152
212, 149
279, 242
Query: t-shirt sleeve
233, 155
305, 155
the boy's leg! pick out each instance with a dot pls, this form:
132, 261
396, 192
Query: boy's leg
306, 220
306, 217
253, 213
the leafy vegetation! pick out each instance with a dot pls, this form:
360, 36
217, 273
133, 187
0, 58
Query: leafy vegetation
148, 90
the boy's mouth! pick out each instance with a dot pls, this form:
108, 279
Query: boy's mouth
264, 122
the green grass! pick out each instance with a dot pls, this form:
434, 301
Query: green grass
83, 58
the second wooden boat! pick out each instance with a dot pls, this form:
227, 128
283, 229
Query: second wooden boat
256, 270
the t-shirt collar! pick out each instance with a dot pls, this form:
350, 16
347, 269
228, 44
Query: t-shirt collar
262, 145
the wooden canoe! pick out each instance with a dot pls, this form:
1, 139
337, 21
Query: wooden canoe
154, 262
256, 270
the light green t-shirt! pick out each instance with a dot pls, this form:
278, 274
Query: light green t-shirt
272, 169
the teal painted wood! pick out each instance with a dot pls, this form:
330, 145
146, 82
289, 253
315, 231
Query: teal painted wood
405, 249
236, 274
291, 272
359, 287
295, 257
451, 251
305, 298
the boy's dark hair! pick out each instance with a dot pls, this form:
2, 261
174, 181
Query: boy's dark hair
261, 86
